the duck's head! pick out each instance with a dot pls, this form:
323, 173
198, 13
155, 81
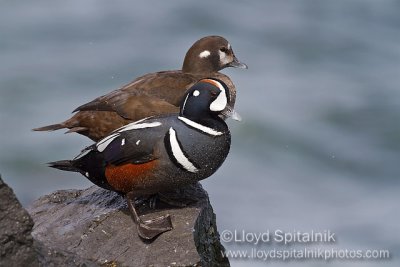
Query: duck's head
210, 54
208, 98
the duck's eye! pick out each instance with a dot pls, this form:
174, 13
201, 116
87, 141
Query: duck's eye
213, 93
224, 49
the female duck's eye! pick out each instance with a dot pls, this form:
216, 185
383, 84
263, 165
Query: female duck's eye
223, 49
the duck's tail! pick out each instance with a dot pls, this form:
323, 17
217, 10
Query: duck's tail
64, 165
52, 127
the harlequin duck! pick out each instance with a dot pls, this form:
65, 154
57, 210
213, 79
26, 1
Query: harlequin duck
154, 93
160, 153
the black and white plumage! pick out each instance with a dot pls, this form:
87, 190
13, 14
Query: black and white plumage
161, 153
155, 93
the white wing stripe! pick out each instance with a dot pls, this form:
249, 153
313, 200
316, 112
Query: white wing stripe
136, 125
103, 143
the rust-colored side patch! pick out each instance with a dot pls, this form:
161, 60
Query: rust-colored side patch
124, 177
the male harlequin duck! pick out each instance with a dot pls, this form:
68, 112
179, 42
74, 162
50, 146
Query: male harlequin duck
160, 153
154, 93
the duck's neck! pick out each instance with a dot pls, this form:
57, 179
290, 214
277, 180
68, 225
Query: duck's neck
198, 67
197, 71
207, 120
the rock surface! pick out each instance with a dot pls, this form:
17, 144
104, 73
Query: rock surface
16, 243
93, 227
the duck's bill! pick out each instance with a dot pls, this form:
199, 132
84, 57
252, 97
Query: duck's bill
232, 114
237, 64
236, 116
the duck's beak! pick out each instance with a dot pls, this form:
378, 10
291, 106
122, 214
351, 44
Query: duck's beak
236, 116
237, 64
231, 113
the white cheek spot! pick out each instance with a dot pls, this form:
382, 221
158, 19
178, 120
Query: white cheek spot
196, 93
204, 54
137, 142
229, 46
223, 58
87, 174
123, 142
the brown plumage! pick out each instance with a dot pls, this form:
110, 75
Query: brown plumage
154, 93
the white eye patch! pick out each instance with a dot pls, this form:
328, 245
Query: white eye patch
219, 104
204, 54
223, 58
196, 93
221, 101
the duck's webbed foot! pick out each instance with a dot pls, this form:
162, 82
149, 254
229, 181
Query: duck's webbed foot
148, 229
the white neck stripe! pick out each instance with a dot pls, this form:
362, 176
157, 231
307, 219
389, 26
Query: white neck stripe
178, 153
200, 127
184, 103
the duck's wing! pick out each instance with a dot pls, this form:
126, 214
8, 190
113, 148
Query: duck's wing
151, 94
135, 143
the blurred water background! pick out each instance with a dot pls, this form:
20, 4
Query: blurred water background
319, 144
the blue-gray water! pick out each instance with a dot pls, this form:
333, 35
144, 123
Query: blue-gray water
319, 144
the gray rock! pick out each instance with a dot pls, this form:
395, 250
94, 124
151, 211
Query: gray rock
16, 243
93, 227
